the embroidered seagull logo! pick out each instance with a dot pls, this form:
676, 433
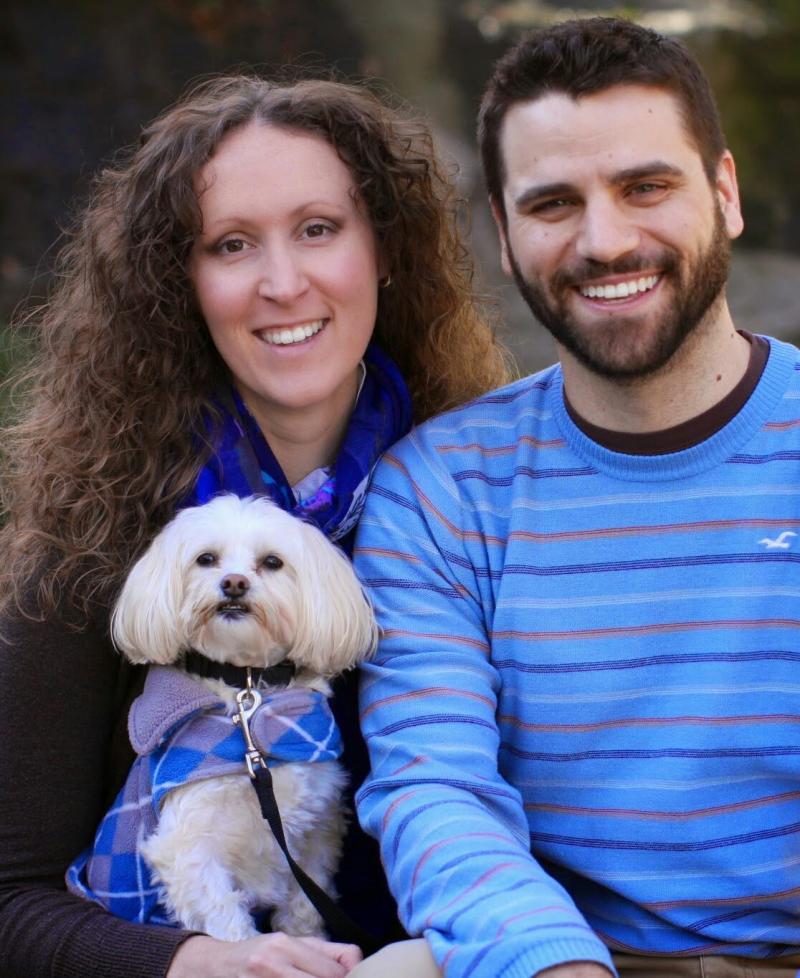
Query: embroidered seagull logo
779, 543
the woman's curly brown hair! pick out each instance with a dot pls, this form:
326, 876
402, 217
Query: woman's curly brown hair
106, 445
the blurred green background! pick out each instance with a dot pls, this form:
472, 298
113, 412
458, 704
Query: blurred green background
79, 79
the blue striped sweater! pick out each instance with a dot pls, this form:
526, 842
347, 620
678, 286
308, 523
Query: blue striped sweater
584, 716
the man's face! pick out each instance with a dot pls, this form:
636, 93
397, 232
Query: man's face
614, 235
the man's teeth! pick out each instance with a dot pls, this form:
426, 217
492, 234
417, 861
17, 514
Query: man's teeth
621, 290
285, 337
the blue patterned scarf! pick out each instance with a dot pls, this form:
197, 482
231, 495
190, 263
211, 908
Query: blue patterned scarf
244, 464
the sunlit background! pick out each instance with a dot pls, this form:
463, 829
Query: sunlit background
79, 79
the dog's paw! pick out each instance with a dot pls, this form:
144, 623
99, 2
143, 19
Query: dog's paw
230, 930
224, 917
299, 919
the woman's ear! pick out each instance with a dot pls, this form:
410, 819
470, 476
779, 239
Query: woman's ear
384, 269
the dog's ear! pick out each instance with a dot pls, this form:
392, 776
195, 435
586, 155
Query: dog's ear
335, 626
146, 620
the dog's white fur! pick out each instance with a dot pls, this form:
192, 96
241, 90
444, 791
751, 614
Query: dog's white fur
212, 853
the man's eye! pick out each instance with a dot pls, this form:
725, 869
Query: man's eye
642, 189
554, 204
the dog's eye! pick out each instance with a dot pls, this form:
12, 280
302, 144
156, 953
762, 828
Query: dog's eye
206, 560
272, 562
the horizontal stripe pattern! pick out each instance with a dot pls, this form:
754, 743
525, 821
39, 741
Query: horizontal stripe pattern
584, 715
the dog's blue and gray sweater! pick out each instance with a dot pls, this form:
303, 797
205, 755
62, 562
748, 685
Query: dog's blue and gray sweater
182, 732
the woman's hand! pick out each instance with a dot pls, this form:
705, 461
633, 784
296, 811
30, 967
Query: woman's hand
267, 956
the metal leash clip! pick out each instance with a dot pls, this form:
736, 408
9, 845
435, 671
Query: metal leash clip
248, 701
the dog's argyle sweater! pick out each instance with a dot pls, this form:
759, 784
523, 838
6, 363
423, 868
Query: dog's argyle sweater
182, 732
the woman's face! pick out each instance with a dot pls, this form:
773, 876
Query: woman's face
286, 273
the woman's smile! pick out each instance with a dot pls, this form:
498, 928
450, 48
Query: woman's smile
291, 335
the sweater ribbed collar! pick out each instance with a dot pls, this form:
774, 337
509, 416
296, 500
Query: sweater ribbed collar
721, 446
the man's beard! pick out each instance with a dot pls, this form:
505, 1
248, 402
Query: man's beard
626, 347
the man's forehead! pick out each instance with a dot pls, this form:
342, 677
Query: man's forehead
616, 128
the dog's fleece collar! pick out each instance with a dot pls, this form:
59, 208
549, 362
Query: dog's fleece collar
183, 732
176, 710
197, 664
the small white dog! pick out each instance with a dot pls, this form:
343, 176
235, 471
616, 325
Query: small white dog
239, 581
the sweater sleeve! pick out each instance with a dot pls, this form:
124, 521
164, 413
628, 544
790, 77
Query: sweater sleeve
60, 704
453, 833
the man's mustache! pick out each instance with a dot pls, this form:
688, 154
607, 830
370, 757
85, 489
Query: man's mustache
569, 277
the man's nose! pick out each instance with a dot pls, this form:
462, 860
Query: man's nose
606, 232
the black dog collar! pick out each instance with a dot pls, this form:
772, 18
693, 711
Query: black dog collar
278, 675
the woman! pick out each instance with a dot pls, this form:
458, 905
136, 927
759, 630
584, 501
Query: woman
261, 298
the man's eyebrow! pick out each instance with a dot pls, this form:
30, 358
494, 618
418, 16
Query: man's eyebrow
545, 191
653, 168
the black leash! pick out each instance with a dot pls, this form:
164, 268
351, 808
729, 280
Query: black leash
338, 924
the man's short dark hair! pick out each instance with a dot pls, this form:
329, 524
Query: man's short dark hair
582, 57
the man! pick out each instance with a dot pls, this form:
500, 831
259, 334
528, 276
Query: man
584, 717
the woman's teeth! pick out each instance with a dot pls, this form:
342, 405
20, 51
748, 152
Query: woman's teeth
287, 336
620, 290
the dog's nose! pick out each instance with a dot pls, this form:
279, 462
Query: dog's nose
234, 585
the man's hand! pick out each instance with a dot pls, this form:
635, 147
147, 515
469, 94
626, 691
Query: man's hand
575, 969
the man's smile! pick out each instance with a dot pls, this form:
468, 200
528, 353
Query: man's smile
620, 290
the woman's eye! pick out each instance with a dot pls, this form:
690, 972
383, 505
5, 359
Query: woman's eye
231, 246
317, 230
206, 560
272, 562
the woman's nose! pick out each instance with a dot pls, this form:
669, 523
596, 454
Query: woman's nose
283, 277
